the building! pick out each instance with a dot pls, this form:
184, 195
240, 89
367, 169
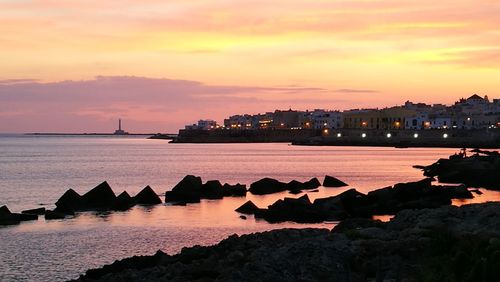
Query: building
203, 124
120, 131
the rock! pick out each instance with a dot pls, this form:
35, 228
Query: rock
340, 206
188, 190
356, 224
237, 190
243, 217
49, 215
147, 197
247, 208
9, 218
123, 202
289, 209
476, 191
480, 171
70, 201
463, 243
267, 186
4, 210
100, 197
296, 187
37, 211
212, 190
331, 181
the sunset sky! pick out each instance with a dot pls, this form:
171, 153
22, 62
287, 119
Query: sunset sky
77, 66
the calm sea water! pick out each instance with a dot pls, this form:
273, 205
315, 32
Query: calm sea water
37, 170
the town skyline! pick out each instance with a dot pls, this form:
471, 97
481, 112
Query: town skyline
80, 65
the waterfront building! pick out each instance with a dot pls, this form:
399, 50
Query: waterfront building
203, 124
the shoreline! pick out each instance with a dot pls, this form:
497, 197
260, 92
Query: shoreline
414, 244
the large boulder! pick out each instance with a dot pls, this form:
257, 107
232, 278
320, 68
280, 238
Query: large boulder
188, 190
123, 202
147, 197
331, 181
267, 186
100, 197
289, 209
37, 211
296, 187
70, 201
212, 190
4, 210
247, 208
340, 206
237, 190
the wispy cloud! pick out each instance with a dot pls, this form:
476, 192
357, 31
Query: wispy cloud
149, 104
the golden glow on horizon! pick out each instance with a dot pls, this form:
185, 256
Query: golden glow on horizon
430, 51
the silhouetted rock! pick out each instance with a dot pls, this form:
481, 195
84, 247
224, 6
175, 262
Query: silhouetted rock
340, 206
147, 196
444, 244
4, 210
212, 190
188, 190
243, 217
247, 208
49, 215
237, 190
9, 218
331, 181
123, 202
297, 210
480, 171
100, 197
70, 201
37, 211
267, 186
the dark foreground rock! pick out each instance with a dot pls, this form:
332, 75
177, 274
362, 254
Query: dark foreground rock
147, 197
247, 208
269, 186
444, 244
331, 181
38, 211
479, 170
9, 218
191, 190
102, 197
351, 203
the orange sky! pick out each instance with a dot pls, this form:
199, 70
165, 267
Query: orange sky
262, 54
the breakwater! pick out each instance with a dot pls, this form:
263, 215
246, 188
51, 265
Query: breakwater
451, 138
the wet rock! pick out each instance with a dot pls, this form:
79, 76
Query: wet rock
237, 190
123, 202
188, 190
212, 190
331, 181
267, 186
50, 215
147, 196
100, 197
247, 208
37, 211
70, 201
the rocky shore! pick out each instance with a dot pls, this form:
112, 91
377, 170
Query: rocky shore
443, 244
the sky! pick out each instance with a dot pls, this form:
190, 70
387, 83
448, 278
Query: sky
79, 65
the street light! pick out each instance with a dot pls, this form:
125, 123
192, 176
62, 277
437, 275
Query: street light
445, 135
415, 135
339, 135
389, 135
363, 135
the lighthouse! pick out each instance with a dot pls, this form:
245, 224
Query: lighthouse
120, 131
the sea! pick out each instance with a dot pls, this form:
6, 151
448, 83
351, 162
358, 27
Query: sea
36, 170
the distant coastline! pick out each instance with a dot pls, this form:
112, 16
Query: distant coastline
87, 134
